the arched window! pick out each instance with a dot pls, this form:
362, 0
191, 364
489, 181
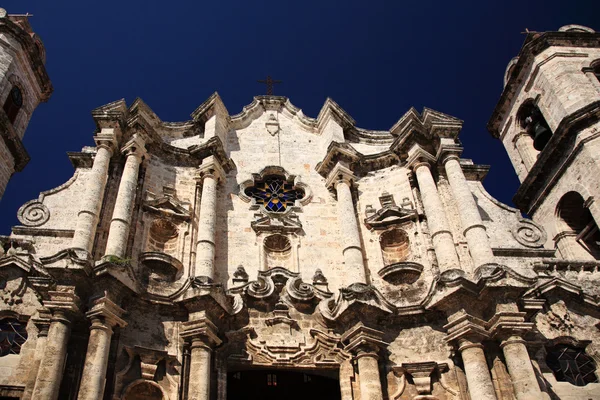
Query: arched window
572, 211
532, 121
12, 336
13, 104
571, 364
394, 246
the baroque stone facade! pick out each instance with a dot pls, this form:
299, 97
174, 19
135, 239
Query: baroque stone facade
268, 254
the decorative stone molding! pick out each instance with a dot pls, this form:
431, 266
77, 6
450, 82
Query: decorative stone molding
105, 309
168, 206
240, 275
390, 214
210, 167
362, 339
64, 301
136, 146
465, 326
529, 234
421, 373
201, 329
357, 295
401, 272
340, 173
273, 223
33, 213
505, 324
281, 283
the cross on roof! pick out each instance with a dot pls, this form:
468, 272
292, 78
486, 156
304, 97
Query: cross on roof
269, 82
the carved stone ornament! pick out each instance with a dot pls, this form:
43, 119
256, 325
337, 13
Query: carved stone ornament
529, 234
33, 213
272, 125
284, 348
357, 293
390, 213
280, 283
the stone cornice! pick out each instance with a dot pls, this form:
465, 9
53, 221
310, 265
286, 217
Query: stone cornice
213, 147
108, 311
212, 106
201, 329
36, 60
210, 167
534, 44
536, 185
361, 338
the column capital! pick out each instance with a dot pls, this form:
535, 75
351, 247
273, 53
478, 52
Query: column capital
42, 322
449, 151
465, 329
63, 303
506, 324
107, 312
136, 146
340, 174
106, 140
418, 157
200, 333
210, 168
363, 341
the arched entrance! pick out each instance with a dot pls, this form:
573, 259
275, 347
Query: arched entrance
271, 384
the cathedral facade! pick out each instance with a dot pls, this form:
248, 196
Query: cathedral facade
268, 254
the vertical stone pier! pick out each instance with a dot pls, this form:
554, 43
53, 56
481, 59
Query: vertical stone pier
365, 343
116, 244
87, 218
473, 228
104, 315
64, 305
467, 333
210, 173
203, 336
439, 228
340, 179
43, 325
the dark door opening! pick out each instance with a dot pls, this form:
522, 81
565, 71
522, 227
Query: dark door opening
281, 385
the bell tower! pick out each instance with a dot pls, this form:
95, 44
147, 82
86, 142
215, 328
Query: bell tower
548, 119
24, 83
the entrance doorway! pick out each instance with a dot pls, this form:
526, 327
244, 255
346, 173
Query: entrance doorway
282, 385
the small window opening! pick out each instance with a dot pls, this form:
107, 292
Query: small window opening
571, 364
278, 252
597, 71
531, 119
13, 104
572, 210
12, 336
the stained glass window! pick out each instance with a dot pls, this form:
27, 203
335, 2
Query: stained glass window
275, 194
572, 365
12, 336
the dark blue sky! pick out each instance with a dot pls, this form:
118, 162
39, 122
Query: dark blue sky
374, 58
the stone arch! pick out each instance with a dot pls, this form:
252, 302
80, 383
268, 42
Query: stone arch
143, 389
576, 226
395, 246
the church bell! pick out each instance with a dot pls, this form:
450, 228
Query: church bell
541, 135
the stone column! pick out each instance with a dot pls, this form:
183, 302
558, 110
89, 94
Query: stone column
104, 315
43, 325
87, 218
439, 228
473, 228
476, 369
202, 334
524, 145
209, 173
346, 374
341, 179
64, 304
520, 368
116, 244
365, 343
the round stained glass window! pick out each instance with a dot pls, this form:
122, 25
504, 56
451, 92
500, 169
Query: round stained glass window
274, 194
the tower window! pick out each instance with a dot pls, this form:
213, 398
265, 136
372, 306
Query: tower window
597, 71
12, 336
531, 119
13, 104
572, 211
570, 364
394, 246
